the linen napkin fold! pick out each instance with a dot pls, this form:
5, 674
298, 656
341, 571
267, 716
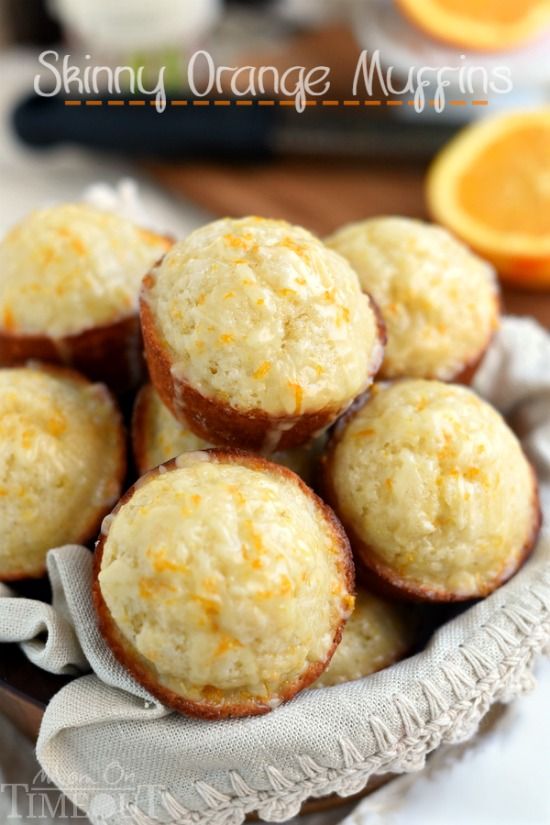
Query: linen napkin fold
123, 758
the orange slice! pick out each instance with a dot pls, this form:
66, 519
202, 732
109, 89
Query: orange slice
486, 25
491, 186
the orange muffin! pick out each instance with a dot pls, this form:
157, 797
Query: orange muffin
256, 334
439, 301
377, 635
157, 437
434, 491
69, 285
223, 583
62, 462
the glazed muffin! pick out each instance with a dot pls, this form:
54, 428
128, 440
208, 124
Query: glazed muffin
62, 462
256, 334
69, 285
440, 302
158, 437
223, 583
434, 490
377, 635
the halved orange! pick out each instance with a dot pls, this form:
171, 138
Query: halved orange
484, 25
491, 186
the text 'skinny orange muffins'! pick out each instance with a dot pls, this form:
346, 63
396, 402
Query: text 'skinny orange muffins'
439, 301
257, 334
157, 437
69, 285
227, 615
434, 491
62, 461
378, 633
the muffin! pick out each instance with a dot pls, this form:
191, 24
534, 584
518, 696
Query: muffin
62, 462
222, 583
440, 302
157, 437
69, 284
256, 334
434, 491
378, 633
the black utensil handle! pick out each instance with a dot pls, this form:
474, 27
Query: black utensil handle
178, 132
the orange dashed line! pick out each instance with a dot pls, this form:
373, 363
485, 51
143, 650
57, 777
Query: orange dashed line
252, 102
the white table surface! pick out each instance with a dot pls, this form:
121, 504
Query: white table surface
500, 779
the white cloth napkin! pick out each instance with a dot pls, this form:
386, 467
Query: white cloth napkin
126, 759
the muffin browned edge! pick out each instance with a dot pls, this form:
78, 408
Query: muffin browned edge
140, 427
373, 573
143, 672
96, 517
219, 422
111, 353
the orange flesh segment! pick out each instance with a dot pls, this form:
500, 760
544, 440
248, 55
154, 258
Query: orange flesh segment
507, 186
498, 12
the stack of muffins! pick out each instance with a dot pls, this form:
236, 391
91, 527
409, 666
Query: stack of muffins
222, 581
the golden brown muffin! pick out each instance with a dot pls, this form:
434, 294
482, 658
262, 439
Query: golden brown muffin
69, 285
62, 462
440, 302
256, 334
158, 437
223, 583
434, 491
377, 635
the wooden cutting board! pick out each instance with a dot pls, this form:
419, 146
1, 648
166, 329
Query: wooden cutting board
321, 196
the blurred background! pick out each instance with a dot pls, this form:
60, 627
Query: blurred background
322, 168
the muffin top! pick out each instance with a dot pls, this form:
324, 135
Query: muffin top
71, 267
61, 462
431, 479
439, 301
378, 633
227, 576
157, 437
259, 314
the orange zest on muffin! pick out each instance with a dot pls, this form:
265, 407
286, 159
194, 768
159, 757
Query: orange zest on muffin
62, 463
300, 339
69, 283
439, 301
226, 616
434, 491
